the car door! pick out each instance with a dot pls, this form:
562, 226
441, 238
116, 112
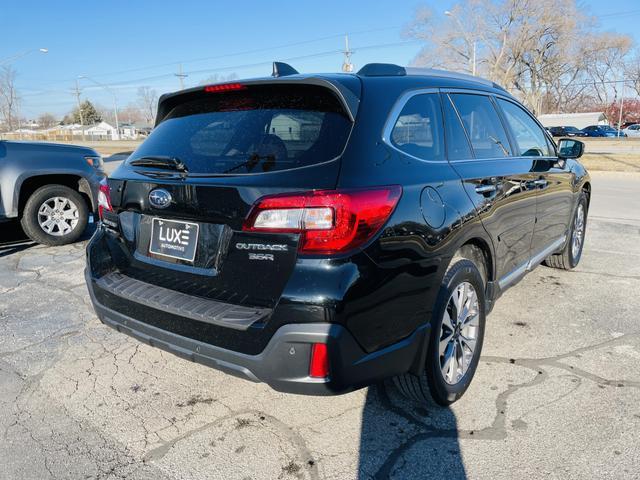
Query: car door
496, 181
552, 183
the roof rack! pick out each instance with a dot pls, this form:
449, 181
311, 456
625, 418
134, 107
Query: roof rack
390, 69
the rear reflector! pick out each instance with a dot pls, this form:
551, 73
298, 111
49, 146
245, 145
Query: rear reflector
328, 221
224, 87
104, 198
319, 364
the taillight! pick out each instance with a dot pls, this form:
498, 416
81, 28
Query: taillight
319, 363
104, 198
328, 221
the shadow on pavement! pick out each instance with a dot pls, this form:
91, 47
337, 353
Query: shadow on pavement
400, 439
13, 239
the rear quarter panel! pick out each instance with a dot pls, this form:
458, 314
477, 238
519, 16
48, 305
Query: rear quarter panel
433, 218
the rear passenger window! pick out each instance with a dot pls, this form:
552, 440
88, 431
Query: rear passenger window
530, 138
483, 125
458, 147
418, 129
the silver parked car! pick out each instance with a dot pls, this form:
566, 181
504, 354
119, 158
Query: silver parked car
632, 130
51, 188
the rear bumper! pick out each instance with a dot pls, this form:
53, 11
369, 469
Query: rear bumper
284, 362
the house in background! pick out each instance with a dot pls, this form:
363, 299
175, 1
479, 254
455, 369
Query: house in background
578, 120
102, 130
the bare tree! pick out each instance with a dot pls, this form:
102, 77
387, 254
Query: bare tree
9, 98
148, 101
632, 72
606, 65
132, 113
47, 120
543, 51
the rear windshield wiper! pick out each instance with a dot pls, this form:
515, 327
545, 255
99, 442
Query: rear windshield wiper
254, 159
160, 161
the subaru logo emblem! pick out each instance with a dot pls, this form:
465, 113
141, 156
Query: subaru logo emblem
159, 198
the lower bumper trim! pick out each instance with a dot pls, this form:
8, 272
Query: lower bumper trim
284, 362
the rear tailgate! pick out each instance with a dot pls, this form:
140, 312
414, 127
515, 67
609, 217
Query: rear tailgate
184, 232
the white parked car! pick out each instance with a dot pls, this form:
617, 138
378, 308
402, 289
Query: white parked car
632, 130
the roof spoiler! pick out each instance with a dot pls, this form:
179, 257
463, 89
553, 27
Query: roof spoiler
349, 98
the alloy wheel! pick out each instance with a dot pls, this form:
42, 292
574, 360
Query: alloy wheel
58, 216
577, 236
459, 333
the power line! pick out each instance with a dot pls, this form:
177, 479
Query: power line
234, 54
181, 76
616, 14
243, 66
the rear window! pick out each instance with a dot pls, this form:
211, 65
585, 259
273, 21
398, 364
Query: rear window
260, 129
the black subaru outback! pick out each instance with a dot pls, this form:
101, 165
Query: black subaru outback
324, 232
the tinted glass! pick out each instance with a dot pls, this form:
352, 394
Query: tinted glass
483, 125
530, 139
259, 129
458, 147
418, 129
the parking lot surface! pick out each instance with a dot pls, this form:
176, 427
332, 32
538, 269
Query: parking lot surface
556, 395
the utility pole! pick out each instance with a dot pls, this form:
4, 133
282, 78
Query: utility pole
347, 66
77, 94
181, 76
115, 102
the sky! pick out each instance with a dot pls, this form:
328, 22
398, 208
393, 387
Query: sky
128, 44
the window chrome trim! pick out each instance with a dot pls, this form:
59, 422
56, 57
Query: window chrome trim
547, 135
395, 111
394, 114
469, 91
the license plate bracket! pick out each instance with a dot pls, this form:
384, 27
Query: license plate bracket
174, 239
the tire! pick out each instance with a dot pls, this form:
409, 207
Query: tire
67, 211
432, 384
570, 256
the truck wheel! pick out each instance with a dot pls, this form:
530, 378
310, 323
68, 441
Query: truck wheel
55, 215
570, 255
457, 332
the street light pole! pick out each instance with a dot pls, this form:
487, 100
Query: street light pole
620, 113
17, 56
467, 39
115, 101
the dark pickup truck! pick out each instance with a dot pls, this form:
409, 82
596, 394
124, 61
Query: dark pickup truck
51, 188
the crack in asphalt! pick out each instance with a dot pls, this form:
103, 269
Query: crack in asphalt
127, 359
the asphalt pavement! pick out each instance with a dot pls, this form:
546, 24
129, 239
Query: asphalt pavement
556, 394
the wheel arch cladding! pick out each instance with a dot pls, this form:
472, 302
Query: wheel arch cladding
30, 184
586, 188
479, 251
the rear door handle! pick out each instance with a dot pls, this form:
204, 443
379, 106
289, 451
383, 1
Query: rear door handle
485, 188
531, 184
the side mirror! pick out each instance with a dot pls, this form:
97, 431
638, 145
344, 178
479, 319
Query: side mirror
570, 148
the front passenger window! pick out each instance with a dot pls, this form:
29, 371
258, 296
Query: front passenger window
530, 138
